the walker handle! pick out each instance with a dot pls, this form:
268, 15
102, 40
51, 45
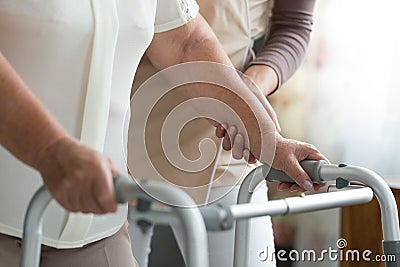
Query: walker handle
312, 168
121, 183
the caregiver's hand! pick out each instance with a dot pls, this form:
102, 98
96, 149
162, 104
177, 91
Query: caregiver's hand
79, 178
288, 154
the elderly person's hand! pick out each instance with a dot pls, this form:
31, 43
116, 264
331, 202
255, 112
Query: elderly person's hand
262, 80
288, 154
79, 178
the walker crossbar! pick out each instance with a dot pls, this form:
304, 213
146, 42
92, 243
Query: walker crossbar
291, 205
320, 172
219, 217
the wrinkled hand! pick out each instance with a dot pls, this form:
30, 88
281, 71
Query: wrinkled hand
288, 154
222, 130
79, 178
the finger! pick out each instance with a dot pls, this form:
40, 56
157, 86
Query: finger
64, 200
318, 187
238, 146
313, 153
284, 187
252, 158
90, 204
248, 156
229, 138
114, 170
104, 198
299, 175
318, 156
65, 196
103, 192
294, 188
220, 130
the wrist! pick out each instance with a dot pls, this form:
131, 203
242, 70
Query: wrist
264, 77
51, 151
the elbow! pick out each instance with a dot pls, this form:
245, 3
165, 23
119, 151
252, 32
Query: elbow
200, 42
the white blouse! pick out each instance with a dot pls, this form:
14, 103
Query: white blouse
79, 58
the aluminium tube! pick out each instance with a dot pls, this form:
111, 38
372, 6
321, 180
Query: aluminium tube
188, 214
293, 205
387, 202
33, 226
242, 228
249, 184
190, 219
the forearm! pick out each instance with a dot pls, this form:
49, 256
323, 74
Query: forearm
201, 45
26, 128
288, 38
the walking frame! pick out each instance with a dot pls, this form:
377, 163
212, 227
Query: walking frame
196, 221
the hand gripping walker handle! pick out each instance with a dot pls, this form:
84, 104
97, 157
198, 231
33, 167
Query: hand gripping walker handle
120, 187
311, 167
33, 223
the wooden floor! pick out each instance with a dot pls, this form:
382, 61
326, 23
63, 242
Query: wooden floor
361, 227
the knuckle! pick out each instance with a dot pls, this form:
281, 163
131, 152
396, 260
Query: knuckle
227, 143
57, 194
64, 186
312, 147
103, 196
77, 174
95, 162
232, 128
298, 177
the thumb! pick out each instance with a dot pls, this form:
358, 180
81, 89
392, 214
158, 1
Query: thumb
296, 172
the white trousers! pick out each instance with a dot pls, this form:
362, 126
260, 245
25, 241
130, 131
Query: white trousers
220, 244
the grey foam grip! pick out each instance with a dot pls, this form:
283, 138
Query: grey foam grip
311, 167
120, 181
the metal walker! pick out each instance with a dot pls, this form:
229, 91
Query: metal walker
196, 221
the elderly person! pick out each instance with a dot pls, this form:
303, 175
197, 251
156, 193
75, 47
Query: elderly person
240, 26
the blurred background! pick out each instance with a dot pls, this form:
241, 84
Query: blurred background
344, 100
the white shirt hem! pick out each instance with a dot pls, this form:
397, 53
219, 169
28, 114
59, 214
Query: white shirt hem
7, 230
